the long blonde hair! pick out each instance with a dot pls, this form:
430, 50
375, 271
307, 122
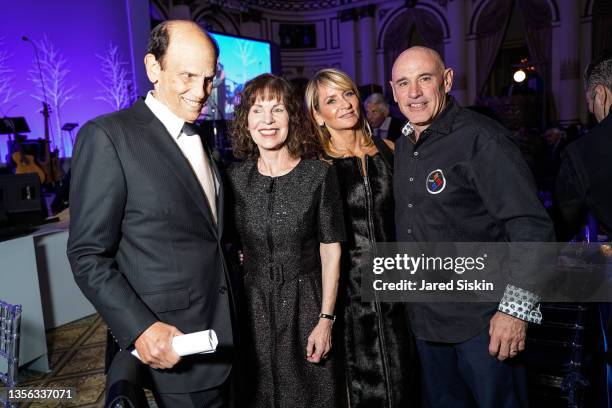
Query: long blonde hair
337, 79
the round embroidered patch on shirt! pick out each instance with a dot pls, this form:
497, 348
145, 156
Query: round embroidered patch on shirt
435, 182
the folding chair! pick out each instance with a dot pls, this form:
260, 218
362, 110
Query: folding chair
10, 329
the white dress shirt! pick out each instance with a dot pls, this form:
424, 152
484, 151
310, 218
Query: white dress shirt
191, 147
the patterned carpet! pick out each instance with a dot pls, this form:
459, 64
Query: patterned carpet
76, 359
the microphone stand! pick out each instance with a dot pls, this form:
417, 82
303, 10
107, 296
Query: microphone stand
42, 82
49, 165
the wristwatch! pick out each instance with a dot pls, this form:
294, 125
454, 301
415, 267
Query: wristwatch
327, 316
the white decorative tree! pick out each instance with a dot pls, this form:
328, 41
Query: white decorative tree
118, 88
7, 91
245, 50
55, 80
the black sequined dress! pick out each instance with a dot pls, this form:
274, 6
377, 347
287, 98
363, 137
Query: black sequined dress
381, 367
281, 221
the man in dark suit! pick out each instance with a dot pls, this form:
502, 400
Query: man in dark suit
147, 217
383, 125
584, 179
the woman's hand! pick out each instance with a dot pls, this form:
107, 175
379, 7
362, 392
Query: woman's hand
319, 341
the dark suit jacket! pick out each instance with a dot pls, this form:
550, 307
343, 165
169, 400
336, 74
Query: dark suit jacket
395, 129
583, 183
143, 246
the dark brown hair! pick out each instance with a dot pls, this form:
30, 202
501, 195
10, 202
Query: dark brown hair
301, 140
159, 39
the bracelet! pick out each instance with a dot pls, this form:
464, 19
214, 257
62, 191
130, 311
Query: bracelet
327, 316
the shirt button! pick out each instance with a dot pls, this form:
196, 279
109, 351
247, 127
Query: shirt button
222, 290
415, 154
410, 205
411, 179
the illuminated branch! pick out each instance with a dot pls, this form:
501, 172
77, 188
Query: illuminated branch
55, 77
7, 92
118, 89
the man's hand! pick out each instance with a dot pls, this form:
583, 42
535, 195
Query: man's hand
507, 336
154, 346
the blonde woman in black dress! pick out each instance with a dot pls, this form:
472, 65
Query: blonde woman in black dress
378, 349
288, 216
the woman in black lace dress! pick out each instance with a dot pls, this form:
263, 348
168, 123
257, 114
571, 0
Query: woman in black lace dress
380, 358
288, 216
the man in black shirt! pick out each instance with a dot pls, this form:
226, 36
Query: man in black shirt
459, 177
583, 183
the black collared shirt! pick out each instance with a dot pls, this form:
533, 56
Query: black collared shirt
465, 180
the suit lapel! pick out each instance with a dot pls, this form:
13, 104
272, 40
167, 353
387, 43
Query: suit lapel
171, 155
217, 174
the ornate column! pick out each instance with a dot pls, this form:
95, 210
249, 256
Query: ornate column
455, 50
380, 63
586, 27
139, 28
383, 63
367, 45
566, 65
471, 81
348, 20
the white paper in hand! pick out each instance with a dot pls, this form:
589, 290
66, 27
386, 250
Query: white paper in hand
202, 342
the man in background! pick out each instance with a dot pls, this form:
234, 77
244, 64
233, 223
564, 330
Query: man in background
582, 188
585, 175
383, 125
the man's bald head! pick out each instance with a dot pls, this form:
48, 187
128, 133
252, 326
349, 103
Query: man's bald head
419, 52
420, 82
161, 35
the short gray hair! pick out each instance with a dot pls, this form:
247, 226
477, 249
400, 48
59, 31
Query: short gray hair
377, 99
599, 72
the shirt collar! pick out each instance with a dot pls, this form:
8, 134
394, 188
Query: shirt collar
409, 131
171, 122
442, 124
